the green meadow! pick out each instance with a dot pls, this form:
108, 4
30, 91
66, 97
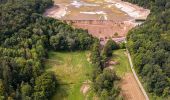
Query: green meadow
71, 70
123, 65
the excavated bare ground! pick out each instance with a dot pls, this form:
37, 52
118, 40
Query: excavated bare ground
79, 10
103, 29
130, 88
100, 17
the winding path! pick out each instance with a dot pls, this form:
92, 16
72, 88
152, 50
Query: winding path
136, 77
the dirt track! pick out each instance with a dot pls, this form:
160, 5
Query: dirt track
130, 88
136, 77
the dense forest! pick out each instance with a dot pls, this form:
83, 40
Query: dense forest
149, 45
25, 38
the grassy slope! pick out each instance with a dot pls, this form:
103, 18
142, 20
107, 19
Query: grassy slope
71, 69
123, 66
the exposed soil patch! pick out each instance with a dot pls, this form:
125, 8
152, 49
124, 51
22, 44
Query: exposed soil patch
57, 11
131, 9
88, 10
102, 18
104, 28
113, 63
130, 88
85, 87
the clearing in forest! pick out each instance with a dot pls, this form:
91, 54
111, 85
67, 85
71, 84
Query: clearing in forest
72, 72
129, 86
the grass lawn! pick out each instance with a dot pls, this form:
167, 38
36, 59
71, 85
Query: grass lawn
71, 69
123, 66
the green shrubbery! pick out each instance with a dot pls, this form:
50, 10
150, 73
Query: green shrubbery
104, 79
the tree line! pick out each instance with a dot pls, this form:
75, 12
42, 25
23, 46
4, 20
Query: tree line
25, 38
105, 81
149, 45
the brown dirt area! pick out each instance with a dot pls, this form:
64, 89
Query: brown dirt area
103, 29
85, 87
74, 10
101, 18
130, 88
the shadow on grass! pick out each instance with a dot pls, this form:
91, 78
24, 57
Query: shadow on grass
61, 91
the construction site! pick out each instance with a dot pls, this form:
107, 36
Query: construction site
103, 19
104, 29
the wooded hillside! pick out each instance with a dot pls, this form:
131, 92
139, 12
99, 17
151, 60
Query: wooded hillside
25, 38
150, 46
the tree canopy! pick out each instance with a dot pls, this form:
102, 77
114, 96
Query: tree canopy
150, 46
25, 38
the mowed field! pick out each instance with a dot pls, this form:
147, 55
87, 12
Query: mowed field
128, 84
72, 70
